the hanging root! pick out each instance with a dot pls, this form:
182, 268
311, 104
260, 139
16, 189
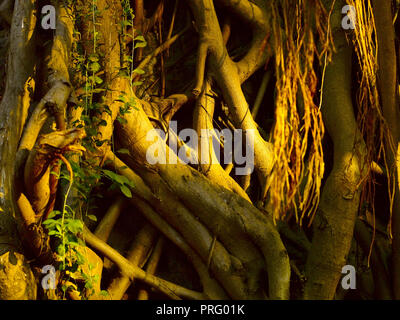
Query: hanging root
293, 183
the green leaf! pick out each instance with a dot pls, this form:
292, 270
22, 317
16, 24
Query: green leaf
93, 57
120, 179
92, 217
128, 58
122, 98
74, 225
123, 151
98, 80
53, 214
65, 176
126, 23
56, 174
107, 110
98, 90
138, 71
49, 221
80, 259
61, 250
130, 183
94, 67
89, 285
137, 83
121, 120
126, 191
124, 74
140, 44
111, 175
72, 239
140, 38
104, 293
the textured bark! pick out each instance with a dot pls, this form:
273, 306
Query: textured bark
137, 255
215, 206
193, 231
203, 211
381, 276
203, 118
388, 89
13, 112
227, 76
132, 271
41, 161
334, 223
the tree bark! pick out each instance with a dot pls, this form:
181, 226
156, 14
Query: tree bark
334, 223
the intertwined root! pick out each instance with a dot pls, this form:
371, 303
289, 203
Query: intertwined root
205, 212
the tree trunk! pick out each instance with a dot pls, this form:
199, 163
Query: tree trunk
78, 115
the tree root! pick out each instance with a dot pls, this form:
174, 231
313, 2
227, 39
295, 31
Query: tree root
171, 290
40, 161
203, 119
214, 206
197, 236
152, 265
33, 234
379, 272
13, 113
337, 212
226, 74
140, 250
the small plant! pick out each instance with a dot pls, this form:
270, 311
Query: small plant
64, 228
119, 181
83, 175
